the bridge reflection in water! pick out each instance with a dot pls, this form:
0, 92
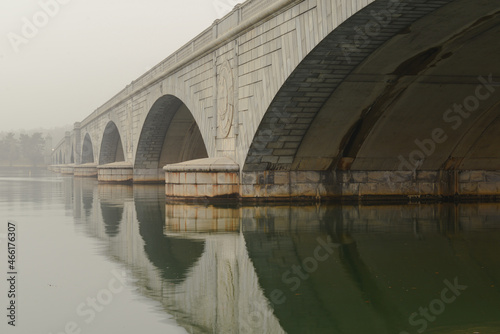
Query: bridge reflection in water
302, 269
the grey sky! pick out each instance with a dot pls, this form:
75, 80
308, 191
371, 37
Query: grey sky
86, 52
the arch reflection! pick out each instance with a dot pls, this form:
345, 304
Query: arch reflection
172, 256
112, 206
356, 269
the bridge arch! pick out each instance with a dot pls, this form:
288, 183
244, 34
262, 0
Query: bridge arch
170, 134
87, 150
381, 92
111, 145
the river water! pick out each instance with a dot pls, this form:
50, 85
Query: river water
97, 258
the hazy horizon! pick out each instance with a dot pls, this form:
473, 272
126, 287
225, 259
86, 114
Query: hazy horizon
80, 54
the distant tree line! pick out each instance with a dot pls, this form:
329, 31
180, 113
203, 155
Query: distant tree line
22, 149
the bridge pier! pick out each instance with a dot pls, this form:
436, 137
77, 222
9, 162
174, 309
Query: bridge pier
115, 172
55, 168
219, 178
203, 178
67, 169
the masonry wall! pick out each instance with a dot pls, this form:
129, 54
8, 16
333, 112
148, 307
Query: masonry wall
370, 185
236, 80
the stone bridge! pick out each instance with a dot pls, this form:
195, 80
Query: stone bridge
311, 99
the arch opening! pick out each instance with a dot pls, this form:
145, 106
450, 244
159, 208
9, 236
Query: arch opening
408, 100
169, 135
111, 145
87, 150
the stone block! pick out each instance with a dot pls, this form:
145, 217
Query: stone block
492, 176
187, 178
313, 176
202, 191
172, 177
270, 158
227, 178
377, 176
253, 159
285, 160
281, 178
383, 189
297, 132
350, 189
278, 190
206, 178
211, 190
303, 189
488, 188
249, 178
368, 189
294, 127
427, 188
169, 189
247, 190
468, 188
344, 176
427, 176
255, 191
408, 188
291, 145
290, 138
477, 176
282, 152
399, 176
464, 176
190, 190
178, 189
275, 144
359, 177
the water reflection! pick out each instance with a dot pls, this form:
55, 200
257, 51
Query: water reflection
388, 263
302, 269
112, 206
87, 195
172, 256
35, 187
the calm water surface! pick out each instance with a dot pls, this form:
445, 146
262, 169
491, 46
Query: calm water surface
97, 258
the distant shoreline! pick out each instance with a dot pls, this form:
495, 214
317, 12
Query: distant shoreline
22, 167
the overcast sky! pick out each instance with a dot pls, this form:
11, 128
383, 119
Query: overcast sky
85, 52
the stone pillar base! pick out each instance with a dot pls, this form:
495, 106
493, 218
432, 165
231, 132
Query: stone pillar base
115, 172
67, 169
86, 170
202, 178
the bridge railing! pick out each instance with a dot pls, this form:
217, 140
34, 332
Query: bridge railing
239, 17
60, 143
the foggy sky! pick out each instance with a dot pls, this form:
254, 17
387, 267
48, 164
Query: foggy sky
85, 53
